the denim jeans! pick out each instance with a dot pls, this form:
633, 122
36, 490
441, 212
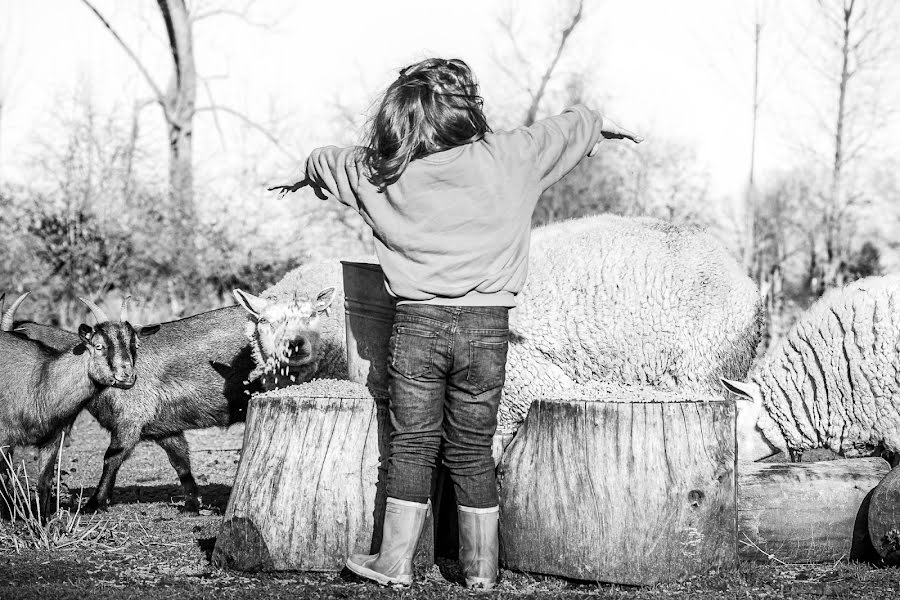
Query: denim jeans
447, 366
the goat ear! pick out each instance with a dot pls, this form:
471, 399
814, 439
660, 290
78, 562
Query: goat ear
746, 391
324, 299
147, 330
85, 332
252, 304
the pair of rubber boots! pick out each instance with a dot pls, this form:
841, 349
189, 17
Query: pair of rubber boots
403, 523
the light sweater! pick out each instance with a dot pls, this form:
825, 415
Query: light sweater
455, 227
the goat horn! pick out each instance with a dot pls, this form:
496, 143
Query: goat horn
95, 310
6, 323
124, 316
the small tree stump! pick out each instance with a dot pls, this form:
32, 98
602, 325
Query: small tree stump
309, 488
806, 512
884, 517
632, 491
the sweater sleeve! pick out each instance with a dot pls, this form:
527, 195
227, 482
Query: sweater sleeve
562, 141
334, 173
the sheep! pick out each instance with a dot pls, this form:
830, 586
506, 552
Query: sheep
195, 373
43, 389
832, 382
629, 300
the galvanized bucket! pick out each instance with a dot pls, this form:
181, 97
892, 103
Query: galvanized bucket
369, 315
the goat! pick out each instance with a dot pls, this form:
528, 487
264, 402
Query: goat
42, 388
197, 372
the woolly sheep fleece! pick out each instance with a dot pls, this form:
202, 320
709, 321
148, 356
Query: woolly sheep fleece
834, 380
627, 300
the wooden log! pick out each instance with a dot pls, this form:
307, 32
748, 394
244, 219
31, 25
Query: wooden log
310, 485
884, 517
806, 512
632, 491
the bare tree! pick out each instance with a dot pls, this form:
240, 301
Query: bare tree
520, 71
179, 103
862, 35
10, 55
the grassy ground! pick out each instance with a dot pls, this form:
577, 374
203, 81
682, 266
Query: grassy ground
144, 547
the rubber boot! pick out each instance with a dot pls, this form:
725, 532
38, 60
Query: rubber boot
393, 565
479, 545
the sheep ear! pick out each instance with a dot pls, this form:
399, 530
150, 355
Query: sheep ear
746, 391
252, 304
324, 299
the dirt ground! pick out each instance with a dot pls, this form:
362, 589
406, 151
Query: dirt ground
150, 550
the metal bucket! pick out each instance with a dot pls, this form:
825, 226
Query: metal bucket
369, 316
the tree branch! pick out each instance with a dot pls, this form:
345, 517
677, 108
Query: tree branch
160, 97
253, 124
538, 95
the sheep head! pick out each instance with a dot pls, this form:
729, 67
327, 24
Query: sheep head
284, 336
754, 441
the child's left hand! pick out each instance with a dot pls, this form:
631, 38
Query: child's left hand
612, 131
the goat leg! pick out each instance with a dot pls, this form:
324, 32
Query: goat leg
120, 447
176, 447
49, 451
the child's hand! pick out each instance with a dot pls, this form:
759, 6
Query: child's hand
612, 131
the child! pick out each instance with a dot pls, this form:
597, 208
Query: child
450, 204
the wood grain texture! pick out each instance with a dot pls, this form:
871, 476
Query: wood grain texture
309, 488
884, 517
622, 492
806, 512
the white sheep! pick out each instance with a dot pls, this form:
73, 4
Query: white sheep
832, 382
627, 300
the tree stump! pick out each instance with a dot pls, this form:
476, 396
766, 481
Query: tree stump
310, 485
806, 512
884, 517
634, 489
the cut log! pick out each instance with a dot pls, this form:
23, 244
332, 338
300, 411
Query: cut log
806, 512
884, 517
632, 491
310, 485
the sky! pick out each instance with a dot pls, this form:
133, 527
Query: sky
671, 70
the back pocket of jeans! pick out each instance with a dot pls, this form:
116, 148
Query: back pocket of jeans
487, 364
412, 351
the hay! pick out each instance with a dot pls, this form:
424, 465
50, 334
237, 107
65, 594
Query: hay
322, 388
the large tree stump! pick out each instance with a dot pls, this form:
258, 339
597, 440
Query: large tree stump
636, 490
806, 512
884, 517
310, 485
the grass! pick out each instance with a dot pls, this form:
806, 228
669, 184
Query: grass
28, 529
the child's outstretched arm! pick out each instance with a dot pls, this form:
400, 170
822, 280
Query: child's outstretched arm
331, 172
561, 142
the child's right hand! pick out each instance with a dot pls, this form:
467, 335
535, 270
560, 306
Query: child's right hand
612, 131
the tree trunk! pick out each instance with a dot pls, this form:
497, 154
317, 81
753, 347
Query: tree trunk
884, 517
836, 250
310, 485
806, 512
623, 492
180, 104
